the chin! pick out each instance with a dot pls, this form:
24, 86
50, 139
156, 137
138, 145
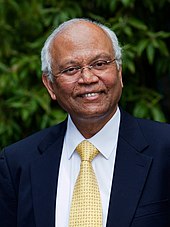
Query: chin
93, 115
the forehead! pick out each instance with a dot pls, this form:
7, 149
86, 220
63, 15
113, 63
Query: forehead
81, 38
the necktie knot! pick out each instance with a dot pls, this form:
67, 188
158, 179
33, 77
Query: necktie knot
87, 151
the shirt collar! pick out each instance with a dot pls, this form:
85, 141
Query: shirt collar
105, 140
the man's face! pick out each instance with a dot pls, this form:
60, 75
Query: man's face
88, 95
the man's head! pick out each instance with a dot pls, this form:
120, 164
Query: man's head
46, 55
82, 70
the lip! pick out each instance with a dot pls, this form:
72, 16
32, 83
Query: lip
89, 94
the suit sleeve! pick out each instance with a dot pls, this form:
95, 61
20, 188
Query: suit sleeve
8, 201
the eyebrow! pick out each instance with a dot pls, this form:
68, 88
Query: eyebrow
98, 56
102, 55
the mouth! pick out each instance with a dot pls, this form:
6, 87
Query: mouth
90, 94
93, 94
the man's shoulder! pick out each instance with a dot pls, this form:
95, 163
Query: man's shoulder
155, 126
143, 121
29, 146
148, 127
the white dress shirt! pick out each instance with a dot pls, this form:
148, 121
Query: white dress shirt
103, 164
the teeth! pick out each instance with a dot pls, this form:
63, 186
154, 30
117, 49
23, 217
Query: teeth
90, 95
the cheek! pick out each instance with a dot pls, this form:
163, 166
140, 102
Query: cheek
114, 88
63, 91
112, 82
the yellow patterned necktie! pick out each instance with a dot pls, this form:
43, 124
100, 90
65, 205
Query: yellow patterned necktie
86, 208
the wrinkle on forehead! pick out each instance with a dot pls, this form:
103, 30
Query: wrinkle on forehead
84, 37
80, 32
78, 26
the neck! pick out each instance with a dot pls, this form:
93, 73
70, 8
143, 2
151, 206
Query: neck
88, 127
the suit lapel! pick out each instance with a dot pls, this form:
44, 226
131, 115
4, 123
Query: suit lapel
44, 174
130, 173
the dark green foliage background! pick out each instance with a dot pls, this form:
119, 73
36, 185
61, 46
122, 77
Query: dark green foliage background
143, 31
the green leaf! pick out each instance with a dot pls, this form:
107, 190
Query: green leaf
163, 48
140, 110
127, 2
150, 53
163, 34
128, 31
141, 46
157, 114
137, 24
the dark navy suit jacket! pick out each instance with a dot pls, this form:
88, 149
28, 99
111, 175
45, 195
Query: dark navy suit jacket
141, 183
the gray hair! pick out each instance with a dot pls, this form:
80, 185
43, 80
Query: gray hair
46, 55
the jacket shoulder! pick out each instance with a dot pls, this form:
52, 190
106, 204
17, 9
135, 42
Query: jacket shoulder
151, 130
28, 147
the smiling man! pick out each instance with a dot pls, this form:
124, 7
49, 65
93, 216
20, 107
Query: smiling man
101, 167
86, 80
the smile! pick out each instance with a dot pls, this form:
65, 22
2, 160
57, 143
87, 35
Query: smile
90, 94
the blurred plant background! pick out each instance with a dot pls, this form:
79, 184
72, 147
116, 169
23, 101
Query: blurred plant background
143, 29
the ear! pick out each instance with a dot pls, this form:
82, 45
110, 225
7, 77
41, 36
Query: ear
49, 85
120, 75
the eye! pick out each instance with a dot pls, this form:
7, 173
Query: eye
101, 64
70, 70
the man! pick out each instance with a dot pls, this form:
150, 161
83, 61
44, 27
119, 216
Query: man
81, 64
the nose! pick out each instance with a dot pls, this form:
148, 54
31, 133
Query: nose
85, 67
87, 76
